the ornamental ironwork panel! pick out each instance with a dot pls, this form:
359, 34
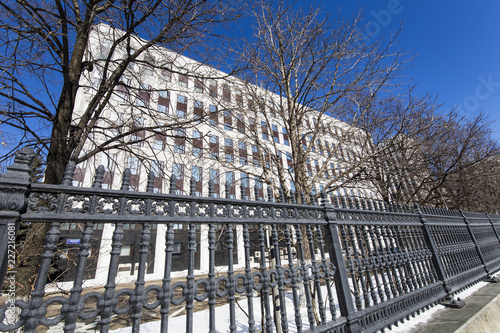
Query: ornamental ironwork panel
349, 265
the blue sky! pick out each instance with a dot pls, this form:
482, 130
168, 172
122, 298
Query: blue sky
456, 46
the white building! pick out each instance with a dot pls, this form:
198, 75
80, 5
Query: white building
193, 121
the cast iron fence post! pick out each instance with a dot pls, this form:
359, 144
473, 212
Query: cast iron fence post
493, 226
346, 303
15, 185
489, 277
438, 264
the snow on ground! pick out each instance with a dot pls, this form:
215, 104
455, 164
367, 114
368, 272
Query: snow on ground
427, 316
200, 319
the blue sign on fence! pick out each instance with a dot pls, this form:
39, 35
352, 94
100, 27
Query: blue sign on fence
72, 241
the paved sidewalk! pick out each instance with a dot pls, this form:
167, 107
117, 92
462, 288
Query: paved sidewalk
450, 320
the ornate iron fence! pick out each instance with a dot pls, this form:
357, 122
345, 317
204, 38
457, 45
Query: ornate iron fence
351, 265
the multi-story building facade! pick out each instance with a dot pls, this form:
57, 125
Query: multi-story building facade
174, 115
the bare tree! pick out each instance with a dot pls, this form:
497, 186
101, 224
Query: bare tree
475, 188
46, 57
52, 51
304, 69
420, 153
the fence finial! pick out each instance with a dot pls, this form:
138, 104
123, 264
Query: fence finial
211, 193
69, 173
20, 170
256, 193
350, 201
324, 199
99, 176
269, 193
15, 183
126, 179
242, 192
312, 198
173, 184
336, 202
227, 189
302, 198
282, 194
192, 186
359, 204
151, 181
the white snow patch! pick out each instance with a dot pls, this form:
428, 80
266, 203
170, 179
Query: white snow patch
427, 316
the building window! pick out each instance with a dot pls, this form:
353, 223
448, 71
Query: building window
240, 125
313, 149
178, 172
213, 121
198, 86
180, 141
214, 147
183, 81
198, 110
275, 133
196, 174
166, 74
245, 183
79, 175
228, 150
239, 97
137, 137
267, 159
163, 101
212, 88
214, 177
256, 156
157, 169
243, 152
159, 142
252, 124
285, 137
263, 126
259, 187
228, 122
197, 144
320, 147
181, 106
133, 165
230, 183
226, 92
144, 96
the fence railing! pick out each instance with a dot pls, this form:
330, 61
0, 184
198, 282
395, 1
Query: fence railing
213, 264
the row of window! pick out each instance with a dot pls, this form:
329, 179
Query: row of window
321, 146
183, 80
